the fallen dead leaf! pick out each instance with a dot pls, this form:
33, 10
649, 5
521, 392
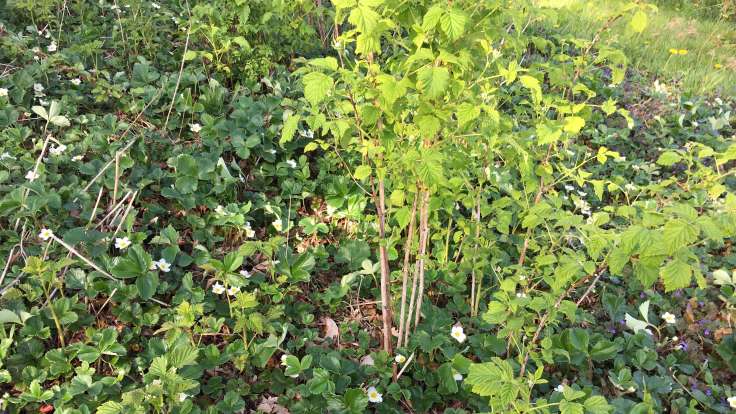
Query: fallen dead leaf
270, 405
367, 360
331, 329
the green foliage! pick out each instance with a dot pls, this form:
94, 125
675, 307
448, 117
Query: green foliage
225, 194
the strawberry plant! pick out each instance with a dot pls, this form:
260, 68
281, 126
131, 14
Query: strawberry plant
356, 206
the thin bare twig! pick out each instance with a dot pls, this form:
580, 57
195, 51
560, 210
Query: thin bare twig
181, 70
406, 364
423, 237
126, 147
74, 251
125, 215
405, 272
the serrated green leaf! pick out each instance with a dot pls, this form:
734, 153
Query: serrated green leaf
362, 172
290, 126
316, 87
40, 111
677, 234
676, 275
466, 113
596, 404
432, 81
431, 18
453, 23
635, 324
110, 407
568, 407
547, 133
533, 85
668, 158
573, 124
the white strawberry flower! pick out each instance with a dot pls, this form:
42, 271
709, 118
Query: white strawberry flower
246, 274
249, 232
57, 150
278, 225
218, 288
32, 176
232, 291
183, 396
156, 6
45, 234
669, 318
400, 359
283, 359
195, 127
458, 333
122, 243
457, 376
52, 47
163, 265
3, 91
560, 388
373, 395
76, 81
732, 401
292, 163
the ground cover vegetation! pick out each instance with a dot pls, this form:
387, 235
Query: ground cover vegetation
348, 206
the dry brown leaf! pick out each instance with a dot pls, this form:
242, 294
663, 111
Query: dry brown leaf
270, 406
367, 360
331, 329
721, 332
689, 316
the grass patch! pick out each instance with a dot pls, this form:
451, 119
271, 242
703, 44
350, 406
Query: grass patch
709, 65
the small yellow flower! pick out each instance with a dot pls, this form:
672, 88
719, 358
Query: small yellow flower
682, 52
718, 66
673, 51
